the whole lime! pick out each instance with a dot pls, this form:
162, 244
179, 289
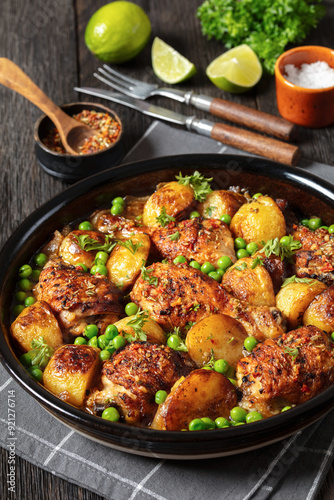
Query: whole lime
117, 32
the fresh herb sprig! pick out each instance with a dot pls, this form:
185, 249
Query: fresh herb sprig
198, 183
164, 218
137, 323
40, 353
267, 26
294, 279
129, 245
284, 251
87, 243
145, 274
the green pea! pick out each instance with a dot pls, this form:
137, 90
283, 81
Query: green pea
100, 269
18, 309
25, 271
105, 355
284, 241
180, 259
242, 253
111, 332
29, 301
91, 331
111, 414
250, 343
80, 341
40, 259
253, 416
20, 296
36, 373
221, 366
222, 423
209, 423
238, 423
196, 425
160, 397
331, 229
314, 223
85, 226
239, 243
26, 358
103, 256
286, 408
304, 222
226, 218
238, 414
173, 341
195, 264
83, 267
92, 342
102, 341
332, 336
216, 276
116, 209
25, 284
224, 262
118, 201
207, 268
220, 271
193, 215
257, 195
252, 248
119, 341
35, 274
131, 308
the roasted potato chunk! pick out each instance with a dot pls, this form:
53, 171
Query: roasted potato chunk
125, 262
203, 393
154, 332
259, 220
221, 202
250, 283
35, 321
294, 298
177, 199
71, 252
71, 372
320, 312
219, 335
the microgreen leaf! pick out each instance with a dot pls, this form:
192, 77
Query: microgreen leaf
274, 247
145, 274
41, 352
198, 183
175, 236
294, 279
164, 218
87, 243
129, 245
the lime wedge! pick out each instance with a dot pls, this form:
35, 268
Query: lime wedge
168, 64
237, 70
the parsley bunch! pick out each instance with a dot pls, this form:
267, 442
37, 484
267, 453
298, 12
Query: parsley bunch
198, 183
267, 26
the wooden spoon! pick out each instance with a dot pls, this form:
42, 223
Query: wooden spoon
72, 132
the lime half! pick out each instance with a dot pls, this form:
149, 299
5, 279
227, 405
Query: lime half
168, 64
237, 70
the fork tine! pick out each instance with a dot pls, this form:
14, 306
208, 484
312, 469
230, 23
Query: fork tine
127, 79
113, 85
112, 79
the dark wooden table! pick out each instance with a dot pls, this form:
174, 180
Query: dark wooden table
46, 39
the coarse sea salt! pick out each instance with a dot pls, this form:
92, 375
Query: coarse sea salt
318, 75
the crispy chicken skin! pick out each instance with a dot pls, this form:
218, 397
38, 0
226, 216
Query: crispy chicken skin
201, 240
315, 259
132, 377
183, 294
74, 296
288, 370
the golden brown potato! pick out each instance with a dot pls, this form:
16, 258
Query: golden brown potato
219, 335
253, 286
259, 220
125, 262
221, 202
320, 312
36, 321
71, 371
176, 198
72, 253
203, 393
294, 298
155, 334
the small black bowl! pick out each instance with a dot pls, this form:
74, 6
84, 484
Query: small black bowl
74, 168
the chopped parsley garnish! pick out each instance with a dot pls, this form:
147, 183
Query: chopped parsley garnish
209, 211
175, 236
257, 262
40, 352
129, 245
87, 243
242, 266
294, 279
195, 307
292, 351
164, 218
274, 247
198, 183
145, 274
137, 323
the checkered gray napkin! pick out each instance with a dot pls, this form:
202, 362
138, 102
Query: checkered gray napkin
293, 468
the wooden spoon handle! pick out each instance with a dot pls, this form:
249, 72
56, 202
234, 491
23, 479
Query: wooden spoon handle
252, 118
255, 143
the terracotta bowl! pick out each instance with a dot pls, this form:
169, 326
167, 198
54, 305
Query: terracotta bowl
307, 107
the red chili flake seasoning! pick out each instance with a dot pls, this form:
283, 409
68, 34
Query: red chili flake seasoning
108, 127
